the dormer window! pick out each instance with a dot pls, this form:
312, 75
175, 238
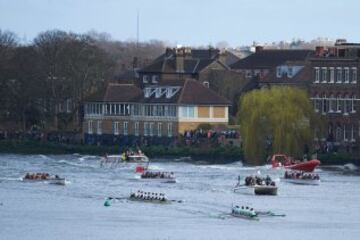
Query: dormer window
158, 92
155, 79
290, 72
169, 92
145, 79
278, 72
147, 92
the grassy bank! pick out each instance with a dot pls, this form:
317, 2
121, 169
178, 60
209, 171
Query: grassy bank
213, 155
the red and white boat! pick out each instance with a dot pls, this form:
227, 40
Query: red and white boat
282, 160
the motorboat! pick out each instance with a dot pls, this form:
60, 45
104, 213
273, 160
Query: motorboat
138, 158
299, 177
122, 158
257, 185
44, 177
282, 160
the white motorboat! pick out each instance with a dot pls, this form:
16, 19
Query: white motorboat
140, 158
121, 158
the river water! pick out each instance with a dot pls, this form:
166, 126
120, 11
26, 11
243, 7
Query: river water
76, 211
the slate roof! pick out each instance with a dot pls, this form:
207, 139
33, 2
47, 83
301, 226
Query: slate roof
122, 93
271, 58
194, 92
191, 92
193, 63
302, 77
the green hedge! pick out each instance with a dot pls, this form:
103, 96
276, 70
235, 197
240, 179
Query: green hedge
213, 154
339, 158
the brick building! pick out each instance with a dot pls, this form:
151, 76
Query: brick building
335, 92
126, 113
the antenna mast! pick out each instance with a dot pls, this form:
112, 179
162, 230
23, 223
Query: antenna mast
137, 29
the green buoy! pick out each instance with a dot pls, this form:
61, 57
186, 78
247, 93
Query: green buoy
107, 202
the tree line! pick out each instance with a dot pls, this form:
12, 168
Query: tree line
44, 83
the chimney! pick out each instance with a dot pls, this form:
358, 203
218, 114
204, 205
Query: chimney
340, 41
180, 55
222, 56
319, 51
259, 48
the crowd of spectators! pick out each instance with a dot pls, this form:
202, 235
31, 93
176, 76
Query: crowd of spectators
196, 136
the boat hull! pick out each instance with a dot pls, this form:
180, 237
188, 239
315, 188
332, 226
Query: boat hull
158, 180
265, 190
244, 216
308, 166
56, 181
257, 189
149, 200
302, 181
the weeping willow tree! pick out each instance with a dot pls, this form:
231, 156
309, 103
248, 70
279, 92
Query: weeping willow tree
278, 119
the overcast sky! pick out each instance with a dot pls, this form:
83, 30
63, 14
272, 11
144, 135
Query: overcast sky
187, 22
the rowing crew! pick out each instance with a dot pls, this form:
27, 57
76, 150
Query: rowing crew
243, 211
39, 176
301, 175
148, 196
256, 180
149, 174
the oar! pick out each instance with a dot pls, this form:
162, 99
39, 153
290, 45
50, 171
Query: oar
269, 213
126, 198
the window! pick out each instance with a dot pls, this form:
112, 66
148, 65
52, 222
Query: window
159, 129
278, 72
188, 112
170, 129
146, 129
126, 128
290, 72
347, 75
137, 110
338, 75
324, 104
345, 138
99, 130
338, 105
317, 75
332, 103
116, 128
151, 132
90, 127
338, 133
347, 104
324, 74
145, 79
248, 74
68, 105
317, 103
354, 75
136, 129
353, 99
332, 75
147, 92
155, 79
